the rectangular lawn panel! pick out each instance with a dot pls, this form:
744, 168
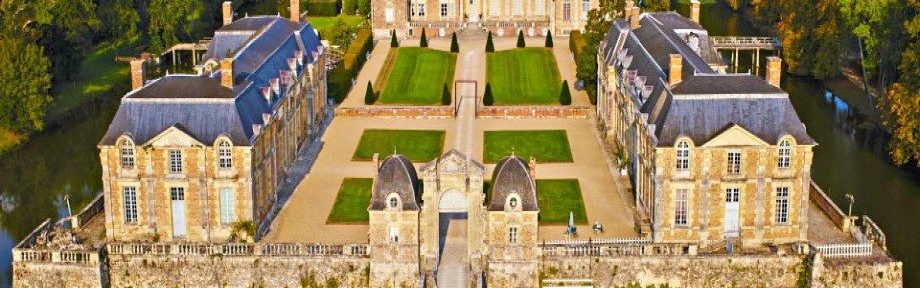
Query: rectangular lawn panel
417, 145
524, 76
557, 197
548, 146
416, 76
352, 201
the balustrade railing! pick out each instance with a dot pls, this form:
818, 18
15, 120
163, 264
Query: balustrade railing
845, 250
238, 249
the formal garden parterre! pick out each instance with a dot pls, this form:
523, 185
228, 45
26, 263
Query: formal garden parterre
415, 76
524, 76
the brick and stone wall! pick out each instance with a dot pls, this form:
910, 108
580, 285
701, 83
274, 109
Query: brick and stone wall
846, 273
56, 275
408, 112
514, 112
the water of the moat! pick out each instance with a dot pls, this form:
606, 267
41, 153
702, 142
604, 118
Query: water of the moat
64, 161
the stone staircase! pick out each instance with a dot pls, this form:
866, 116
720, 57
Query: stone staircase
472, 31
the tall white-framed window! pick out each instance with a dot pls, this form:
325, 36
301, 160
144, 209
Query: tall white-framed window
734, 162
227, 205
683, 156
513, 235
393, 202
567, 10
126, 150
394, 234
785, 155
175, 161
389, 14
495, 8
782, 205
224, 155
680, 207
421, 9
444, 7
518, 7
539, 7
129, 194
585, 7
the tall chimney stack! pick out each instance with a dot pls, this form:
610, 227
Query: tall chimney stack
227, 9
226, 72
627, 11
675, 69
774, 70
295, 10
695, 11
137, 73
634, 18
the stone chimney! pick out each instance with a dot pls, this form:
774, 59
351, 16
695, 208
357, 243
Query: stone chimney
295, 10
675, 69
226, 72
774, 70
634, 18
627, 10
227, 9
695, 11
137, 73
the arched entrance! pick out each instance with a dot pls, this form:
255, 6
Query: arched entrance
453, 201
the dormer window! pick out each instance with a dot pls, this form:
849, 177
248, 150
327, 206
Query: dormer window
224, 155
513, 202
394, 202
126, 150
785, 155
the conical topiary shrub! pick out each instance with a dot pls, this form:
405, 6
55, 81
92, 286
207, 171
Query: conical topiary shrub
565, 97
454, 45
520, 42
424, 41
489, 46
487, 97
393, 42
369, 96
549, 39
445, 96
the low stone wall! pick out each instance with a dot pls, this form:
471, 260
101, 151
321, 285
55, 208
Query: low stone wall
515, 112
407, 112
57, 275
851, 273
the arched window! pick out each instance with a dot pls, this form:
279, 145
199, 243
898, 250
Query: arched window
394, 202
127, 154
513, 202
785, 155
224, 155
683, 156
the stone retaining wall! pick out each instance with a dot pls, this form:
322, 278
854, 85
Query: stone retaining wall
57, 275
853, 273
513, 112
410, 112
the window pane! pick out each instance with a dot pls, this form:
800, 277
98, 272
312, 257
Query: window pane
782, 205
130, 199
227, 214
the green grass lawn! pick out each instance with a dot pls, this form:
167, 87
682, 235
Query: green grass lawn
557, 197
325, 22
352, 201
524, 76
548, 146
417, 145
416, 76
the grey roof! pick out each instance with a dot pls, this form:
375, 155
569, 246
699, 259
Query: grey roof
203, 119
395, 175
178, 86
701, 119
512, 175
725, 84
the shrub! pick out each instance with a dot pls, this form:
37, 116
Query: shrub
445, 96
592, 92
369, 96
348, 7
549, 39
364, 7
489, 46
319, 7
393, 42
520, 42
576, 43
356, 53
454, 46
424, 41
487, 98
565, 97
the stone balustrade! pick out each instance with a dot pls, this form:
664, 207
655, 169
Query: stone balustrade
845, 250
238, 249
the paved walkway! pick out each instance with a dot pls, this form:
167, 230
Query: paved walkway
453, 269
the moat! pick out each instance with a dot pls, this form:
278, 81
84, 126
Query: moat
65, 161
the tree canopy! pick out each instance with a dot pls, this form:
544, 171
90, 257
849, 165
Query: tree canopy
24, 85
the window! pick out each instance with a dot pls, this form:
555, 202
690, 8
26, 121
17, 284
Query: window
389, 13
394, 234
732, 195
785, 155
496, 8
421, 9
177, 193
734, 162
443, 9
512, 235
412, 12
130, 200
394, 202
518, 8
227, 205
127, 154
585, 7
539, 7
224, 155
513, 202
680, 207
567, 11
175, 161
683, 156
782, 205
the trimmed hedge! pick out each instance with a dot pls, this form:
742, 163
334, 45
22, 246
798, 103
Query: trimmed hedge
339, 79
320, 8
576, 43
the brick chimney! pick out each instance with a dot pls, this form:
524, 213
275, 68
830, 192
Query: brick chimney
634, 18
695, 11
675, 69
226, 72
227, 9
295, 10
627, 10
137, 73
774, 70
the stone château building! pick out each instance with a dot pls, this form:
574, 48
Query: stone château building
188, 156
502, 17
712, 156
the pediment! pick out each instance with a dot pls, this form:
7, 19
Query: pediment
735, 136
173, 137
453, 162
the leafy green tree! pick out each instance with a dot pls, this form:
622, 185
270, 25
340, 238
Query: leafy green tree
489, 46
348, 7
565, 97
364, 7
423, 42
119, 18
340, 33
393, 42
595, 30
549, 39
25, 83
487, 98
877, 26
454, 45
520, 39
900, 108
167, 21
657, 5
369, 96
445, 96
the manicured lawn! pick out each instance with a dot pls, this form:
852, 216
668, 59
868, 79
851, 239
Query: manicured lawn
557, 197
548, 146
415, 76
99, 74
324, 22
352, 201
524, 76
417, 145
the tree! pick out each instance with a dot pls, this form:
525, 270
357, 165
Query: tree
167, 21
565, 97
877, 25
393, 42
364, 7
489, 46
520, 40
487, 98
445, 96
900, 108
657, 5
454, 45
25, 84
348, 7
423, 42
341, 33
549, 39
369, 96
119, 18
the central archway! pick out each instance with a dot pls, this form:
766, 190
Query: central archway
453, 201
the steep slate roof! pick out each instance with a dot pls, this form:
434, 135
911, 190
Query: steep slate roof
395, 175
704, 102
512, 175
260, 47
